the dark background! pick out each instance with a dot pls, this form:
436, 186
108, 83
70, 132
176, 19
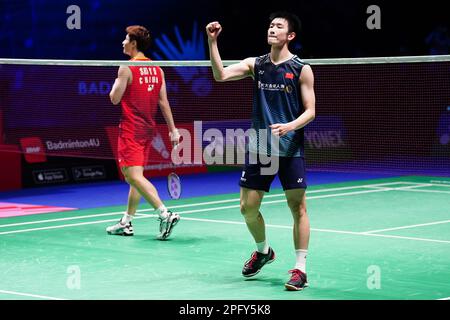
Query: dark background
389, 117
37, 28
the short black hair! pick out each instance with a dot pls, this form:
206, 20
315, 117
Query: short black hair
294, 23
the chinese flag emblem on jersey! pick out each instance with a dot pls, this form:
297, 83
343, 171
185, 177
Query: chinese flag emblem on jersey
289, 75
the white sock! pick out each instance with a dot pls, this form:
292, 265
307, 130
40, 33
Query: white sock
262, 247
162, 211
126, 218
301, 260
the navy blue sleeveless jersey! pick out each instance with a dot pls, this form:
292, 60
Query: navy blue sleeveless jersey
277, 99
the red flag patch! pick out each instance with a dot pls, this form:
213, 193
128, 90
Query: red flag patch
289, 75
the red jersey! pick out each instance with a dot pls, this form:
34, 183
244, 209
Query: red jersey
140, 102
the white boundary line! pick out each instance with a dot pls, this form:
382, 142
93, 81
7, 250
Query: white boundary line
145, 210
400, 237
58, 227
407, 227
60, 219
448, 298
444, 183
440, 185
211, 202
369, 233
377, 189
429, 191
29, 295
144, 216
323, 230
419, 185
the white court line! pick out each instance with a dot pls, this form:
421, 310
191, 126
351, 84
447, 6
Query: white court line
346, 194
376, 185
182, 212
59, 227
60, 219
407, 227
30, 295
144, 216
196, 204
440, 185
324, 230
384, 188
180, 206
448, 298
139, 216
377, 189
112, 213
430, 191
416, 186
268, 225
396, 237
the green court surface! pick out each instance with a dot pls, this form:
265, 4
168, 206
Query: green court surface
377, 239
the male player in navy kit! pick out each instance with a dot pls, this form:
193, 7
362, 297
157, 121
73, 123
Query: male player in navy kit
283, 103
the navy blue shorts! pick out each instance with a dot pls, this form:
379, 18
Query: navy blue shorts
291, 172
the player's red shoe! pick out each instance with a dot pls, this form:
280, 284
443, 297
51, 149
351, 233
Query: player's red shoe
256, 262
298, 280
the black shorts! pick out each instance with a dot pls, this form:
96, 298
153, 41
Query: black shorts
290, 170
